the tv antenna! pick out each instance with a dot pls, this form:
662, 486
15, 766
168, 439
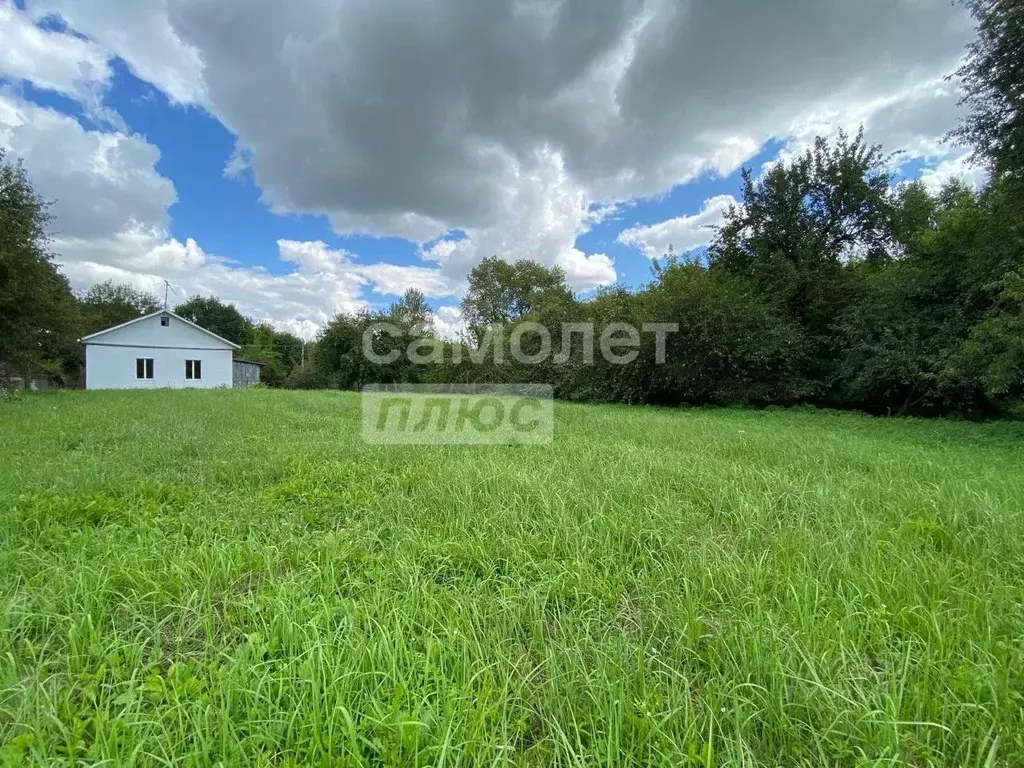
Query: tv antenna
168, 288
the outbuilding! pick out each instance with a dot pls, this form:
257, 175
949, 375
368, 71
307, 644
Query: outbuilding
246, 373
156, 351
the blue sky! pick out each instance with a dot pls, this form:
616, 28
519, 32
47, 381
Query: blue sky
301, 159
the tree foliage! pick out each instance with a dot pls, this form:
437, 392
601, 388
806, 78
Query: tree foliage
412, 312
37, 312
797, 230
338, 361
279, 351
500, 293
992, 81
217, 316
108, 304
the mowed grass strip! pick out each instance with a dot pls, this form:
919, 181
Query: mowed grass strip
234, 578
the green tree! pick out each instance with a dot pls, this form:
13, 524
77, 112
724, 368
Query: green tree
279, 352
892, 346
902, 338
217, 316
291, 349
37, 312
798, 228
300, 377
992, 81
108, 304
338, 361
994, 351
732, 345
259, 346
501, 293
412, 312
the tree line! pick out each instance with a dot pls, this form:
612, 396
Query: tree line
828, 284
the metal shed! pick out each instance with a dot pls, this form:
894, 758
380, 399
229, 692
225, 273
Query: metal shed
246, 373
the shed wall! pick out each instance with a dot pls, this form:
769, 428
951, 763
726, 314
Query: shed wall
245, 374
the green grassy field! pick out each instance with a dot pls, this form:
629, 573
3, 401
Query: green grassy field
234, 578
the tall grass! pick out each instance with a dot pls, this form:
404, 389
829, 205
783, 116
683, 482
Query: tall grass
234, 578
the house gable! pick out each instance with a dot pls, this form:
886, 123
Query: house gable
162, 329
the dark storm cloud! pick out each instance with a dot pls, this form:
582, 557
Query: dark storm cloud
374, 110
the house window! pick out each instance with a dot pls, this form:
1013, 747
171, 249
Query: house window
194, 369
165, 321
143, 368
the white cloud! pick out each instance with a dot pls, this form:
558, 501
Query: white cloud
490, 117
111, 222
50, 60
909, 124
141, 34
149, 251
396, 279
545, 212
300, 302
959, 167
583, 272
683, 233
316, 257
312, 256
101, 182
449, 323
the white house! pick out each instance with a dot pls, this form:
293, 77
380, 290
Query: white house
158, 350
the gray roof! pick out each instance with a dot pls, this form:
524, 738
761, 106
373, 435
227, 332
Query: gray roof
155, 314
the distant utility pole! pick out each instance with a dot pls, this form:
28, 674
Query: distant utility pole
167, 289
